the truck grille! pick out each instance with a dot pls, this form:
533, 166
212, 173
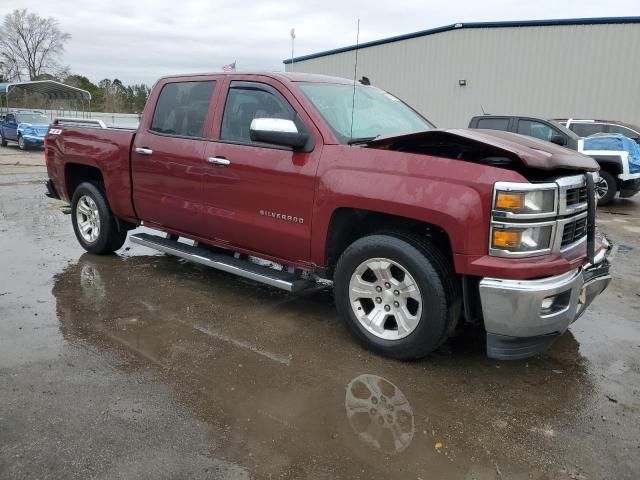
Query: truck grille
576, 196
573, 231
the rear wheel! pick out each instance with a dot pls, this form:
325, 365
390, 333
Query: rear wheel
95, 226
396, 295
606, 188
3, 141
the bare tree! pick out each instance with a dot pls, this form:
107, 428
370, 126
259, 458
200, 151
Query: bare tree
8, 68
31, 45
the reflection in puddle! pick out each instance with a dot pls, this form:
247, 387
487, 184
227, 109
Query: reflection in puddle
379, 413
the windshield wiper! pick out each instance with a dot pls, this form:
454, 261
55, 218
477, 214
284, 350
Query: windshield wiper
356, 141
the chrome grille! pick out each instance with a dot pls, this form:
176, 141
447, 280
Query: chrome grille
573, 231
573, 195
576, 196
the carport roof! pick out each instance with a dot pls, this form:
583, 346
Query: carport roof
457, 26
50, 88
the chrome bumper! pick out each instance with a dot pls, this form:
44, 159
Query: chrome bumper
522, 317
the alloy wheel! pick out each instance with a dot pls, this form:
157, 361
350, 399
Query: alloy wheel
601, 187
385, 298
88, 219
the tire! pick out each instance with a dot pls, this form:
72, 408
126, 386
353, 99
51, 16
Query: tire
22, 145
606, 188
3, 141
95, 226
430, 319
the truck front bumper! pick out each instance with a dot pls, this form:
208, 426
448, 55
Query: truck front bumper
522, 317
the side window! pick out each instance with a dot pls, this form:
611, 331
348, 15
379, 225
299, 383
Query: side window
494, 123
535, 129
10, 119
182, 108
586, 129
627, 132
246, 101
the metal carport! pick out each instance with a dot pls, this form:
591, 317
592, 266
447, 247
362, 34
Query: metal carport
49, 89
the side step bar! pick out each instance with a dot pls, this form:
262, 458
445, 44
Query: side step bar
243, 268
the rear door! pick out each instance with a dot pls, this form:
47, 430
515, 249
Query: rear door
262, 199
167, 159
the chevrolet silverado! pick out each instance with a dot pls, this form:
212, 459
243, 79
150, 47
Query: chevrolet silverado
289, 178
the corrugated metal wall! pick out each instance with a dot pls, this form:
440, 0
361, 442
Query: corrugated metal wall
580, 71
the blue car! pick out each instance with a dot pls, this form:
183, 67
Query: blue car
26, 128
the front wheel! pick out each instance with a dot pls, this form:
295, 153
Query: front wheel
396, 295
606, 188
22, 145
95, 226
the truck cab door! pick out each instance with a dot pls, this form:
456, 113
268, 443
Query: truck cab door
167, 157
259, 197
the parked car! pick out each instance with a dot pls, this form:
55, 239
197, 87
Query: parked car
615, 170
620, 154
585, 128
420, 229
27, 128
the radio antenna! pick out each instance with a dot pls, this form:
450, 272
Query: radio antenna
355, 72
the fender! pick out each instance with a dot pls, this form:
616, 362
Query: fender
452, 195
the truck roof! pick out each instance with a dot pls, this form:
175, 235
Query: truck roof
282, 76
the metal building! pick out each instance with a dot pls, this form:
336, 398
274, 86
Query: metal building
580, 68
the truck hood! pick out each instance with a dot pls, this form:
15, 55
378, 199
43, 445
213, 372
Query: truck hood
488, 146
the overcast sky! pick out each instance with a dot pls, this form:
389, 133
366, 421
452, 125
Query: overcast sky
140, 40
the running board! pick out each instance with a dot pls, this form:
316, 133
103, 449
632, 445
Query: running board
243, 268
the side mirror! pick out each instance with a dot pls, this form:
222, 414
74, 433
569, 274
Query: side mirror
557, 139
278, 131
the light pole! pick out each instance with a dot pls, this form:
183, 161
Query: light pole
293, 39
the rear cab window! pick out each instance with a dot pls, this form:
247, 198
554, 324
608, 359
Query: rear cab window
493, 123
586, 129
182, 108
627, 132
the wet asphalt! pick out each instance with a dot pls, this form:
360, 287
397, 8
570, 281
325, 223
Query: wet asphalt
140, 365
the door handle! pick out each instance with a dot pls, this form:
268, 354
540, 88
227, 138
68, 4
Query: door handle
218, 161
143, 151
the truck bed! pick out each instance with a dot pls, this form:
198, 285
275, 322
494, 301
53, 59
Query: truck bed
78, 145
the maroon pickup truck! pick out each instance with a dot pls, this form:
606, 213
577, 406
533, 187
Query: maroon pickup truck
290, 178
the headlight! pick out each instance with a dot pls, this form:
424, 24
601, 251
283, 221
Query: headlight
523, 239
28, 131
524, 199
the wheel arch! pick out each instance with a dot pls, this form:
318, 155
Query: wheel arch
77, 173
611, 165
349, 224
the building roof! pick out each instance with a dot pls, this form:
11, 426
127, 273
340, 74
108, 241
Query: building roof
49, 88
459, 26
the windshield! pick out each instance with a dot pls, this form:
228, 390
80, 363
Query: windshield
375, 112
31, 118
